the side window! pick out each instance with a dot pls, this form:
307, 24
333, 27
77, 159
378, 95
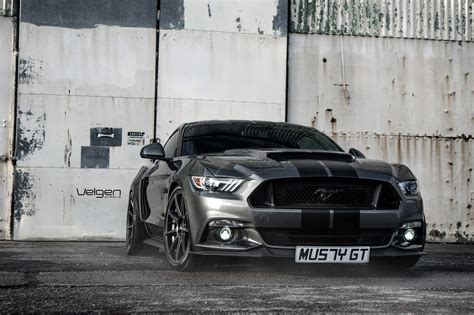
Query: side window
171, 145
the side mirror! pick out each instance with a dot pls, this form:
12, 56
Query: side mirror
153, 151
356, 153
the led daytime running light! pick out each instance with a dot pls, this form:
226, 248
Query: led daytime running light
216, 184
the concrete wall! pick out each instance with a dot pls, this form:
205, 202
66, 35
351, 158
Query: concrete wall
398, 86
83, 66
7, 85
221, 60
408, 101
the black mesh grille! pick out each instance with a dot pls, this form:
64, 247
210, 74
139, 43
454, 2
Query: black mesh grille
323, 193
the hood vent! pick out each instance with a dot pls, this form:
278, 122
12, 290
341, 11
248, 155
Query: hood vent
320, 155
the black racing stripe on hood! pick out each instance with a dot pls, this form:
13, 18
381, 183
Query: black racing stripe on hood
318, 222
315, 222
341, 169
347, 222
309, 168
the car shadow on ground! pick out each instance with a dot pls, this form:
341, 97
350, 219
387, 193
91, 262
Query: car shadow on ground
287, 266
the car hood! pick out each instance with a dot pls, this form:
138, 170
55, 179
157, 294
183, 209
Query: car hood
270, 163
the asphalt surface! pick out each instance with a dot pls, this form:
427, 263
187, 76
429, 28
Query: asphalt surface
85, 277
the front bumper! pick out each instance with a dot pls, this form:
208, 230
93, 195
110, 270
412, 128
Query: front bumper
251, 223
290, 252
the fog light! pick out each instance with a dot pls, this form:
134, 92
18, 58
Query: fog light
409, 235
225, 234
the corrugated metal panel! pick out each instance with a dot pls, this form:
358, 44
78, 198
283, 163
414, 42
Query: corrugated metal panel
420, 19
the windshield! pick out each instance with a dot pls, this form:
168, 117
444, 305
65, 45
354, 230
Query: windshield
217, 137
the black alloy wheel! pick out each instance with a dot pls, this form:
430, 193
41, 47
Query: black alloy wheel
135, 229
177, 237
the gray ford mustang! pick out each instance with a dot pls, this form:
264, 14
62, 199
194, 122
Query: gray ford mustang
268, 189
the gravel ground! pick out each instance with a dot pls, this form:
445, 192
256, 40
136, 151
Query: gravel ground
85, 277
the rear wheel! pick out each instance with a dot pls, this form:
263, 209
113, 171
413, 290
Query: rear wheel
395, 263
177, 237
135, 229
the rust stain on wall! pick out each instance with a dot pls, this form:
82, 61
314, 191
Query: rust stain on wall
24, 202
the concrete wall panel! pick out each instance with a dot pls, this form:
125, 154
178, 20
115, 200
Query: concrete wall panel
62, 204
408, 101
444, 168
52, 128
7, 82
392, 85
7, 85
220, 55
105, 60
86, 79
252, 17
179, 109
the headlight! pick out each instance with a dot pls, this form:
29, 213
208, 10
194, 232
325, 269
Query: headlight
216, 184
409, 188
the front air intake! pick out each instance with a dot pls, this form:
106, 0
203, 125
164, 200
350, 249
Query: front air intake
333, 193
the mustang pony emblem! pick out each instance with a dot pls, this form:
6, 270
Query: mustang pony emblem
326, 193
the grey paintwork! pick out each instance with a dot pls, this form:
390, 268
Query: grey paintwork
203, 207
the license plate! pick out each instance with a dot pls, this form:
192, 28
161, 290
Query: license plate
326, 254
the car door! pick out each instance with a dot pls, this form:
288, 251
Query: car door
156, 190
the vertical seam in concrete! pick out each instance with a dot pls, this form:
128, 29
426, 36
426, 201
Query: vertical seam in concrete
157, 50
288, 20
16, 38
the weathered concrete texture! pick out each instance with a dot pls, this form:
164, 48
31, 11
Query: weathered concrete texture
52, 128
172, 14
400, 101
443, 167
89, 13
227, 59
103, 61
263, 17
8, 7
86, 277
82, 65
7, 67
7, 96
71, 203
423, 19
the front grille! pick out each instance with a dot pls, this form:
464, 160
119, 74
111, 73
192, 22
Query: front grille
296, 237
332, 193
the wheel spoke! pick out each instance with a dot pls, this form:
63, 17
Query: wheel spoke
185, 229
182, 207
178, 208
175, 242
173, 217
172, 232
183, 246
178, 247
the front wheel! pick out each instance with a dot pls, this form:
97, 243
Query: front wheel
135, 229
177, 236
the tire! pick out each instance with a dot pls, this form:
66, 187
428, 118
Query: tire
135, 233
177, 235
395, 263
